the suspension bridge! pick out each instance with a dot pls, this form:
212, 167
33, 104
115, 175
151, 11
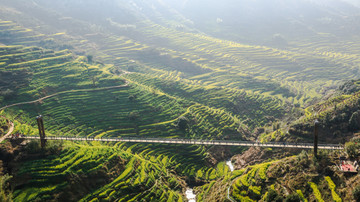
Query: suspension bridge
43, 138
194, 142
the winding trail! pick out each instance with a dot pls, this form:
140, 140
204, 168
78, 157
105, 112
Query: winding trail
64, 92
11, 129
55, 94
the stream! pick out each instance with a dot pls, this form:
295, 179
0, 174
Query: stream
190, 192
230, 165
190, 195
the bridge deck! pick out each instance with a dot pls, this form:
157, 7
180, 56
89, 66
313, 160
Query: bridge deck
198, 142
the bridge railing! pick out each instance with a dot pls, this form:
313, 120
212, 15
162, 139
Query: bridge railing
191, 141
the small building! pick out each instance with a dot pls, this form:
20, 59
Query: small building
348, 166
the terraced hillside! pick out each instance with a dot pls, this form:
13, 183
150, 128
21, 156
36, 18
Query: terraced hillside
299, 74
113, 171
139, 73
33, 72
297, 178
86, 107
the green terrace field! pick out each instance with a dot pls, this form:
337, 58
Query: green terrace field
113, 111
44, 71
112, 172
12, 33
108, 172
299, 74
129, 171
295, 75
81, 110
133, 111
33, 72
206, 61
249, 108
277, 180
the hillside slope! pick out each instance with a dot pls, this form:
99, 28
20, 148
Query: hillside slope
143, 69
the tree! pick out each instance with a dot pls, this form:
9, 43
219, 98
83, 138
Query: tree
132, 97
356, 193
351, 149
5, 194
90, 58
354, 121
133, 116
182, 123
293, 198
272, 195
7, 94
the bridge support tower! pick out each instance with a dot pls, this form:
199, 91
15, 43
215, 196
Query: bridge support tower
40, 123
316, 136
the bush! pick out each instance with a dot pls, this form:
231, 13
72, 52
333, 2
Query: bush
182, 123
303, 155
7, 94
90, 58
5, 194
293, 198
351, 149
133, 116
272, 195
132, 97
356, 193
54, 147
354, 121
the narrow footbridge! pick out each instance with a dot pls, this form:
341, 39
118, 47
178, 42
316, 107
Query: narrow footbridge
196, 142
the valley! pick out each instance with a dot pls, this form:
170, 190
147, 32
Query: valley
153, 70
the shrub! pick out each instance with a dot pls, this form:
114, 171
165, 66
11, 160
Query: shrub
132, 97
272, 195
356, 193
354, 121
7, 94
133, 116
54, 147
90, 58
302, 155
182, 123
351, 149
5, 194
293, 198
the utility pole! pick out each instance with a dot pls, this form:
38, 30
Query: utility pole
316, 136
40, 123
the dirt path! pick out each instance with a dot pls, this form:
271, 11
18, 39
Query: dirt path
63, 92
11, 129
